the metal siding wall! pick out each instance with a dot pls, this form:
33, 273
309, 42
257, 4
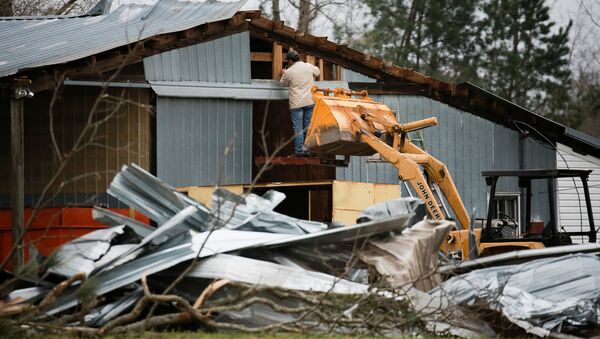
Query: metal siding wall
351, 76
204, 141
506, 157
123, 139
222, 60
572, 207
539, 156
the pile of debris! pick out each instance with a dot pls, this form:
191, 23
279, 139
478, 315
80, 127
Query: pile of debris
239, 265
236, 265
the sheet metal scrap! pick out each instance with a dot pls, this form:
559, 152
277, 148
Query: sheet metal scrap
110, 218
156, 199
181, 248
253, 212
83, 253
190, 244
102, 315
409, 258
248, 227
519, 256
543, 296
394, 207
235, 268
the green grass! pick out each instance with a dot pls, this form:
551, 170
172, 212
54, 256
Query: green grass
237, 335
232, 335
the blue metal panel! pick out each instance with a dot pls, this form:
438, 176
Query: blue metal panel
203, 141
351, 76
222, 60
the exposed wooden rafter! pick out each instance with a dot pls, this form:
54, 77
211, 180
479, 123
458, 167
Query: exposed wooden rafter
45, 78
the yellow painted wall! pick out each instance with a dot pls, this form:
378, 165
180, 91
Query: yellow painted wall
351, 198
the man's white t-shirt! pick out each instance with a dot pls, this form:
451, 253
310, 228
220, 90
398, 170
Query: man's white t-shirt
299, 78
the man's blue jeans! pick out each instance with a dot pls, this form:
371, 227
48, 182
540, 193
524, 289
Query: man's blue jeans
300, 121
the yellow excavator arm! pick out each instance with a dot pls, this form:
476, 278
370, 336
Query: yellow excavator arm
350, 123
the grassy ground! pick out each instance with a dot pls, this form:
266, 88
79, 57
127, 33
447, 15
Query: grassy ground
231, 335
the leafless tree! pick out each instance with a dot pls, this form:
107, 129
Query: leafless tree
44, 7
305, 13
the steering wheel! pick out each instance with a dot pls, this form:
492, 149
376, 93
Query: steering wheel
505, 222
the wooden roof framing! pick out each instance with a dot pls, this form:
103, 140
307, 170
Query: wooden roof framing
391, 78
399, 80
46, 77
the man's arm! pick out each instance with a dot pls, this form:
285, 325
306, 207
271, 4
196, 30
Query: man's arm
316, 71
284, 80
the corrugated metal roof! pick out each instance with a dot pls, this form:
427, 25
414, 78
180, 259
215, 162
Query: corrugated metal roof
29, 42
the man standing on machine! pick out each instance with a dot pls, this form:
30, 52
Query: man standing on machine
299, 77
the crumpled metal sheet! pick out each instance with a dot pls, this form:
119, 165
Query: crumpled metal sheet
160, 202
102, 315
409, 258
27, 294
160, 234
518, 256
178, 239
259, 272
255, 213
110, 218
80, 255
187, 245
179, 249
183, 247
156, 199
395, 207
543, 296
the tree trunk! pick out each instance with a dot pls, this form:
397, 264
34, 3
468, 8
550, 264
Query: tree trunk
304, 16
275, 9
410, 25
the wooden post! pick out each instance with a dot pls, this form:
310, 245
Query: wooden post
277, 60
338, 72
321, 77
17, 195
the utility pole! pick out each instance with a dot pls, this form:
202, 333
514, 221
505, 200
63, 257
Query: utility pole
20, 91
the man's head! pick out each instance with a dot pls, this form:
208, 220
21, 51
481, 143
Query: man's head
292, 57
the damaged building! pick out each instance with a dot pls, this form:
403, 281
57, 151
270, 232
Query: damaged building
148, 136
196, 89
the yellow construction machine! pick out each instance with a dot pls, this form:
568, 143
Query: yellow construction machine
350, 123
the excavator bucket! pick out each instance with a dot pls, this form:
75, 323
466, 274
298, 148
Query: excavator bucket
334, 127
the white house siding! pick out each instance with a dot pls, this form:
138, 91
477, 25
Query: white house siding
572, 208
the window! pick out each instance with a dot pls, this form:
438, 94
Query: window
507, 206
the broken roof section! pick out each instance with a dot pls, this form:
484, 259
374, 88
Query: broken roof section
30, 42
